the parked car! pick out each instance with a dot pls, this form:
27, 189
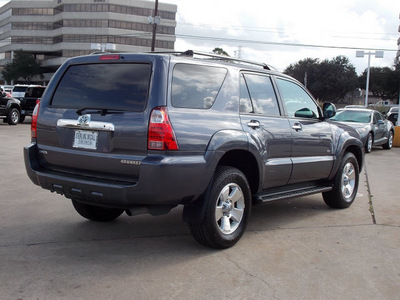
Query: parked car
146, 132
10, 109
374, 129
393, 115
19, 90
32, 94
7, 89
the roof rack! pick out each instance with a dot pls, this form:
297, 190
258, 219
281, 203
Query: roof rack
191, 53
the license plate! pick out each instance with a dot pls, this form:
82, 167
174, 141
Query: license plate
85, 139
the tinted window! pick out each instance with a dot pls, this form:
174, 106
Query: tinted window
196, 86
297, 101
262, 95
19, 89
35, 92
112, 86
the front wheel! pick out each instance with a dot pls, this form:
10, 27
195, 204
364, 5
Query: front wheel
96, 213
369, 143
345, 184
228, 206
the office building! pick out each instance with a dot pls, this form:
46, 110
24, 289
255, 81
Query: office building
55, 30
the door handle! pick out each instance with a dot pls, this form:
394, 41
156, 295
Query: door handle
253, 124
297, 127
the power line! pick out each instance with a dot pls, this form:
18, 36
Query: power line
211, 38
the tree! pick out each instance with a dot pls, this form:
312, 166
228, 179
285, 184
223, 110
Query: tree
23, 66
220, 51
328, 80
383, 82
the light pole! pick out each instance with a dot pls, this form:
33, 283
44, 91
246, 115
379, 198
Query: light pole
154, 21
378, 54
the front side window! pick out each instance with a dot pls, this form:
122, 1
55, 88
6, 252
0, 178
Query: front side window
196, 86
297, 101
377, 117
262, 95
109, 86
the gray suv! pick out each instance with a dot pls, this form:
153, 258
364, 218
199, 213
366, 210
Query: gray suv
143, 133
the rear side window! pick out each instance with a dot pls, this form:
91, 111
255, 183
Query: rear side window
35, 92
110, 86
259, 89
196, 86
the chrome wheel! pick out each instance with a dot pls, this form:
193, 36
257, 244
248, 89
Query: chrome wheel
370, 141
390, 141
348, 181
14, 117
230, 208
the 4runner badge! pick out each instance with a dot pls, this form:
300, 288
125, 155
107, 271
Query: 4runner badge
84, 120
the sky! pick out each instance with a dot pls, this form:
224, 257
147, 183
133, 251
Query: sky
283, 32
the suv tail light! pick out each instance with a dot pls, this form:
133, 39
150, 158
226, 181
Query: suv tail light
34, 119
161, 135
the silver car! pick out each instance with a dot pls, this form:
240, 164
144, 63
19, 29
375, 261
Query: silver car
373, 128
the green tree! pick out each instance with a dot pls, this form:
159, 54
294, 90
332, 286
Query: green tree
23, 66
220, 51
327, 80
383, 82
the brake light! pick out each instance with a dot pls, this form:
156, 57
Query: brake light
161, 135
34, 119
109, 57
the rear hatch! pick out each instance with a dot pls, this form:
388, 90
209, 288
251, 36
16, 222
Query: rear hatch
93, 120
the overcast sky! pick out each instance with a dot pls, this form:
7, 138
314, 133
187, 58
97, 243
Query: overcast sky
282, 32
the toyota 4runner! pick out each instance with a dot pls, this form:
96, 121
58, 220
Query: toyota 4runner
146, 132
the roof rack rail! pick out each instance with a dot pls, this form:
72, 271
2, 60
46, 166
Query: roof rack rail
191, 53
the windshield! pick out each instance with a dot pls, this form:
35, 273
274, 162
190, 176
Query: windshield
357, 116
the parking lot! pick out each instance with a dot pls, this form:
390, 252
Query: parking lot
293, 249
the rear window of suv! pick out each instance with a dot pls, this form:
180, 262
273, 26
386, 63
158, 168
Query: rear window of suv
108, 86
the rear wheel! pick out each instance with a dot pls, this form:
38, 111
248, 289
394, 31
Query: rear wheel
228, 205
345, 183
97, 213
389, 142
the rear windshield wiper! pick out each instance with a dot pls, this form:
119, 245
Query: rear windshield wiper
101, 111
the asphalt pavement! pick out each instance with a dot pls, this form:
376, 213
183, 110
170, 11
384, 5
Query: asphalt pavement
293, 249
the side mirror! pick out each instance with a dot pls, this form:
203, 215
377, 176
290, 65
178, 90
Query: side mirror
329, 110
305, 113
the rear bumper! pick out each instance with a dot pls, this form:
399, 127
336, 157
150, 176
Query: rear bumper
163, 181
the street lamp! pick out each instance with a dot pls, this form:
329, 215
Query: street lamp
378, 54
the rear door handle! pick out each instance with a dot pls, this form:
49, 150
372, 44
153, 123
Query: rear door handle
253, 124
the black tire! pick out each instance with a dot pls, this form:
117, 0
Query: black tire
345, 183
369, 143
96, 213
389, 143
13, 116
228, 206
22, 119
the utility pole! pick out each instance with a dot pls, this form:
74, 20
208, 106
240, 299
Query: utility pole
154, 22
378, 54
